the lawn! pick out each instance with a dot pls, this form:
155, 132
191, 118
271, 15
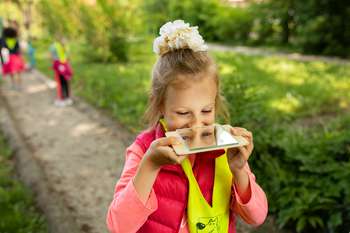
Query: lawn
284, 89
18, 213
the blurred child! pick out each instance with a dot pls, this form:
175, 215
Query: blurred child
62, 72
31, 55
12, 61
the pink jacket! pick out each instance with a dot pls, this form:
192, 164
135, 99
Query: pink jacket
127, 213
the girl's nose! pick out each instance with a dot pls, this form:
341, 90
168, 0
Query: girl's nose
196, 122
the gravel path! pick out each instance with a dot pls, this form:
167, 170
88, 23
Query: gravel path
71, 157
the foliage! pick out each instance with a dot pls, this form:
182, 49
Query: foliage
106, 26
218, 22
318, 27
311, 26
58, 18
17, 212
299, 115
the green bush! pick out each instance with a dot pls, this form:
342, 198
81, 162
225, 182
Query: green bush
266, 27
17, 212
315, 191
318, 27
105, 31
301, 157
97, 45
199, 13
216, 21
106, 26
155, 14
58, 17
316, 36
312, 26
231, 24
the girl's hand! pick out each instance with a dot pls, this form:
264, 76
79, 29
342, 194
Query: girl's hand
237, 157
161, 153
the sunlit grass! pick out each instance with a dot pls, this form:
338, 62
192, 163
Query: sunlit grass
289, 104
286, 87
17, 210
315, 86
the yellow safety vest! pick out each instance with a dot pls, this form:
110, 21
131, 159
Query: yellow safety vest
201, 216
61, 55
11, 42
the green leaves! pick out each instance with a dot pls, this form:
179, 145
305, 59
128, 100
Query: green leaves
314, 194
301, 157
105, 26
17, 212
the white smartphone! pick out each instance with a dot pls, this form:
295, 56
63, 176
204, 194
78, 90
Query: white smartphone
206, 138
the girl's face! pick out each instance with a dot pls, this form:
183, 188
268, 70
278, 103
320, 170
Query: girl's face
190, 104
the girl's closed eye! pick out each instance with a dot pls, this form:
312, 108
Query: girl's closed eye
207, 110
182, 113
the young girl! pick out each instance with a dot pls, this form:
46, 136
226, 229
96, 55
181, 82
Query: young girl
62, 72
160, 191
12, 61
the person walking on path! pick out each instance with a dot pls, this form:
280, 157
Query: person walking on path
12, 62
62, 72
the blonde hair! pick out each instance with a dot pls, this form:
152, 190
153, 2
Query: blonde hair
167, 71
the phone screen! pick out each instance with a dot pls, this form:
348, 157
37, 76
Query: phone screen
206, 137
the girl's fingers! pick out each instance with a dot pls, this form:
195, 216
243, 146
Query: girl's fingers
176, 159
237, 159
241, 132
250, 142
171, 155
166, 141
168, 151
232, 152
237, 131
244, 151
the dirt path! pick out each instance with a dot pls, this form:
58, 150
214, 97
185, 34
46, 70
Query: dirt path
71, 157
265, 52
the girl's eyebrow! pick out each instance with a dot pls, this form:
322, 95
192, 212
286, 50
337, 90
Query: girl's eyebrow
209, 105
180, 109
186, 108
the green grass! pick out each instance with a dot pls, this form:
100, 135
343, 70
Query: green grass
285, 89
119, 88
17, 209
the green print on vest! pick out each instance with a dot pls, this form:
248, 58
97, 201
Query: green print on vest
203, 218
208, 225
